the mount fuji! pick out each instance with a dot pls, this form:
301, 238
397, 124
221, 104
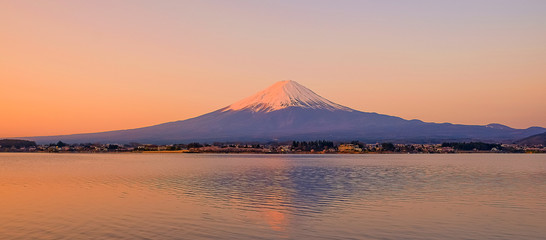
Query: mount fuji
289, 111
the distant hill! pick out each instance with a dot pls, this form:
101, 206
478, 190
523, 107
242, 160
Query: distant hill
288, 111
8, 143
538, 139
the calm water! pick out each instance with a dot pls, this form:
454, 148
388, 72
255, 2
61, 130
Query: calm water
185, 196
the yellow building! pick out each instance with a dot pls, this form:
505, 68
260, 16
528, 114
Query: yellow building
349, 148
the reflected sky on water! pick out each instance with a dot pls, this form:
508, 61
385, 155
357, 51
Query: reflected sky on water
189, 196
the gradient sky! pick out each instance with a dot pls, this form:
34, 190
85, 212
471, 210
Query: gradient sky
86, 66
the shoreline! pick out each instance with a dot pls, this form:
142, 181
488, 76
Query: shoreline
273, 153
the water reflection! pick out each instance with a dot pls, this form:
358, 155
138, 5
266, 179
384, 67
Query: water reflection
282, 190
271, 197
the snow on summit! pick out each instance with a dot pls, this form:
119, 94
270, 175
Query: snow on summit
285, 94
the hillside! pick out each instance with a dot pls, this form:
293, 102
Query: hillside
538, 139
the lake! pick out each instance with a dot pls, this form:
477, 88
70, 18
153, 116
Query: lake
202, 196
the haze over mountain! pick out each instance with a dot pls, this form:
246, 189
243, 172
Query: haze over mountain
289, 111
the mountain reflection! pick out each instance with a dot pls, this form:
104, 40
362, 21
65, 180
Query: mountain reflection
171, 196
280, 190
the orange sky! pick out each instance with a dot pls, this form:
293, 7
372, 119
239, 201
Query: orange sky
86, 66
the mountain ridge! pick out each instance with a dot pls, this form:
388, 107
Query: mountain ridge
289, 111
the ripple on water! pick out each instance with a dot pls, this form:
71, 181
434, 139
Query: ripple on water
173, 196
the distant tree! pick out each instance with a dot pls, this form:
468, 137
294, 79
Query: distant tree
112, 147
7, 143
387, 146
61, 144
194, 145
319, 145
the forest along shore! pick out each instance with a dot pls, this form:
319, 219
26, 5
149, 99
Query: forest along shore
303, 147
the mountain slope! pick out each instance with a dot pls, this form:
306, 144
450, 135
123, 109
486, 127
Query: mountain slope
285, 94
538, 139
289, 111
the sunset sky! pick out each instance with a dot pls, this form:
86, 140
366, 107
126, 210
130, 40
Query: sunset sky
87, 66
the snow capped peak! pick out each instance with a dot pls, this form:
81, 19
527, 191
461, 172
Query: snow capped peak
285, 94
